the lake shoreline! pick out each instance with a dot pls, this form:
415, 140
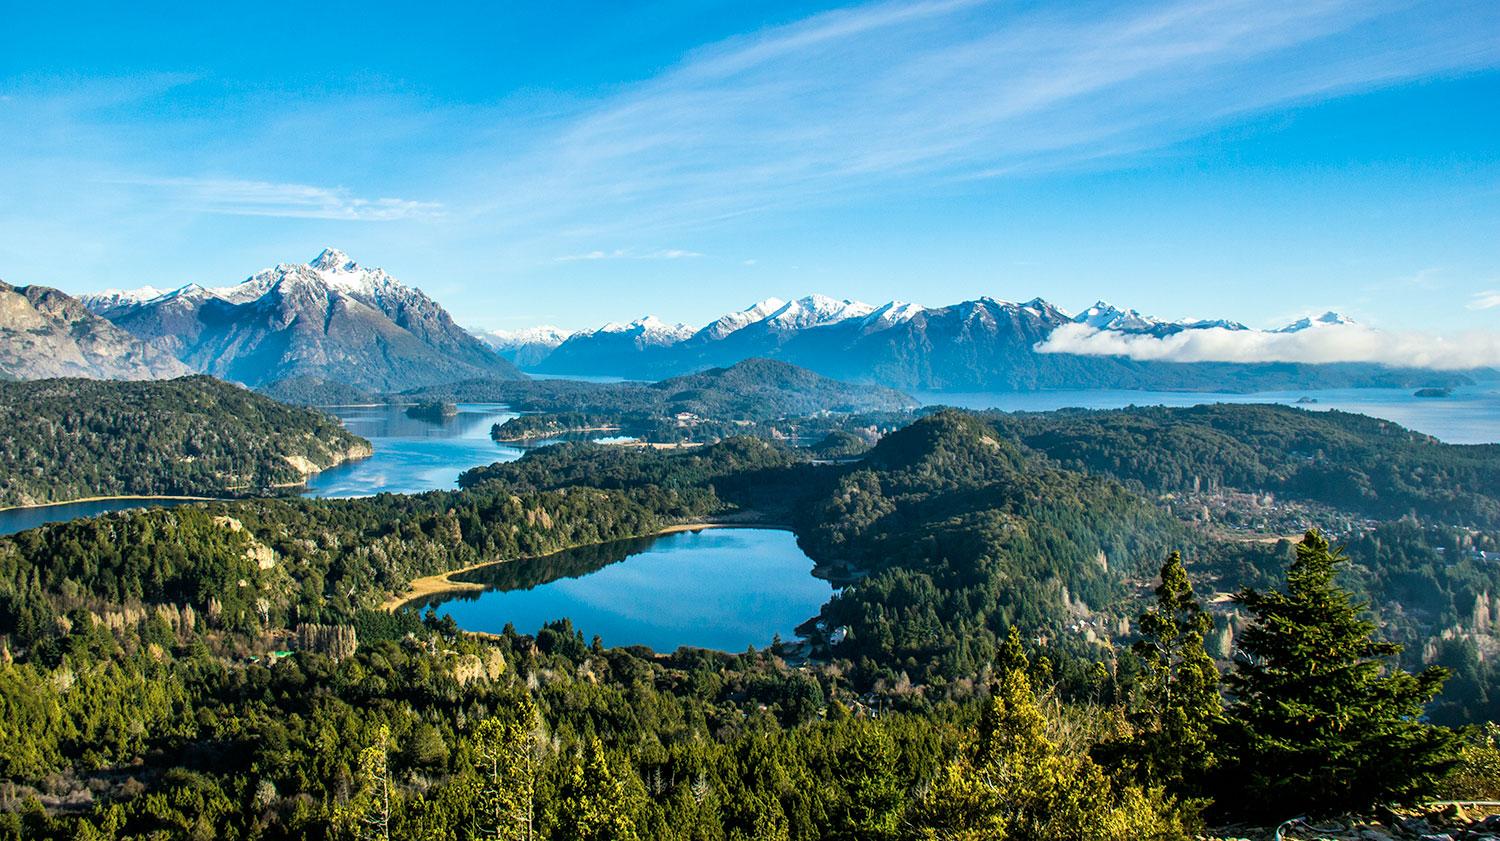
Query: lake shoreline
301, 464
123, 498
440, 583
541, 435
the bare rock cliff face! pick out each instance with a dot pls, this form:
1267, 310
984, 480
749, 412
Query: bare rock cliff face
45, 333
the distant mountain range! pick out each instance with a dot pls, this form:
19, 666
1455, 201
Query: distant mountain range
46, 333
329, 320
332, 326
982, 344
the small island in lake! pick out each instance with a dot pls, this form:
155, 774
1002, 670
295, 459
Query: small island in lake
435, 411
1433, 392
535, 427
1304, 400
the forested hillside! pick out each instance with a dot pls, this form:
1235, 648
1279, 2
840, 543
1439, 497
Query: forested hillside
219, 670
194, 436
962, 535
755, 389
1360, 464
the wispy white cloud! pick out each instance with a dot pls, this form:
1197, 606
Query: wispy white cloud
1486, 300
630, 254
888, 96
1339, 343
300, 201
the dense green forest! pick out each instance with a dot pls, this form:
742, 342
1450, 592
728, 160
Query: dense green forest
1017, 652
557, 425
957, 535
194, 436
433, 411
137, 726
316, 391
1365, 465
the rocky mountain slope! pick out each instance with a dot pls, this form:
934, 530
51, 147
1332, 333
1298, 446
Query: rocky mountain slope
331, 319
47, 333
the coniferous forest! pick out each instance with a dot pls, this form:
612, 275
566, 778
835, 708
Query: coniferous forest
1023, 646
195, 436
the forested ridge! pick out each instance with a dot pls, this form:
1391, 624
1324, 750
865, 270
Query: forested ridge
960, 535
194, 436
1019, 654
755, 389
1362, 464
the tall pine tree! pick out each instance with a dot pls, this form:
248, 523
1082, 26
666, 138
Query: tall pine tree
507, 758
1176, 707
1324, 721
596, 802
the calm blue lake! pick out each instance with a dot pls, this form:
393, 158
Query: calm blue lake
413, 455
724, 589
21, 519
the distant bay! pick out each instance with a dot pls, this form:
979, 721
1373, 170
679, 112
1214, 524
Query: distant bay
1470, 415
413, 455
13, 520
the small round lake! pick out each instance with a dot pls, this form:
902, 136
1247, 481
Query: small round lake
722, 588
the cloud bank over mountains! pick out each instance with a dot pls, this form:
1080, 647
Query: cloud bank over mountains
1344, 342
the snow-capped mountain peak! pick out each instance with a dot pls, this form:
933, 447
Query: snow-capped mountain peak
816, 310
1327, 319
654, 328
730, 322
332, 259
1105, 316
109, 299
761, 309
329, 318
892, 313
540, 334
252, 288
331, 270
649, 330
1210, 324
336, 270
525, 345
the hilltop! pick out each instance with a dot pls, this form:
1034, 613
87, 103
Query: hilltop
194, 436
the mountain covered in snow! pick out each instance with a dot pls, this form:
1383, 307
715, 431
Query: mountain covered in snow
111, 299
330, 319
983, 344
524, 347
1327, 319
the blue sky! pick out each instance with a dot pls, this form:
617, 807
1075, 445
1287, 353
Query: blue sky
580, 163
